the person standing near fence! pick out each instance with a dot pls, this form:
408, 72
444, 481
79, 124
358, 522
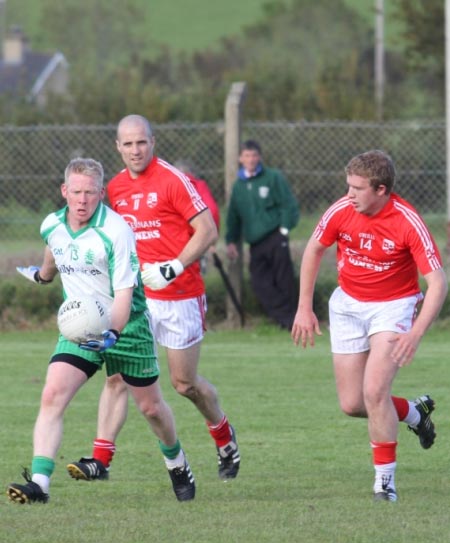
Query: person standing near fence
382, 243
201, 186
262, 210
173, 228
94, 251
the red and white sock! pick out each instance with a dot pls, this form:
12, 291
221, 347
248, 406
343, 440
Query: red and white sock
384, 462
103, 450
221, 433
401, 406
406, 411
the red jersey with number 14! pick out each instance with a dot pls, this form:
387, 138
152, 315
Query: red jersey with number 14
378, 256
158, 206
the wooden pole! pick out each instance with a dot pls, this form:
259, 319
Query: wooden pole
447, 128
233, 121
379, 58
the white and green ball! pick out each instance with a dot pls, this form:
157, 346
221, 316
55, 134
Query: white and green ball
83, 318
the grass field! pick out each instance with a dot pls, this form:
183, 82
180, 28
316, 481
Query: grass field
193, 25
306, 472
183, 26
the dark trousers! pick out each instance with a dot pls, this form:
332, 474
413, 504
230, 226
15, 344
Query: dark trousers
272, 278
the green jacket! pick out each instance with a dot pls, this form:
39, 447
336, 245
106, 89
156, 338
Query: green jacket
259, 205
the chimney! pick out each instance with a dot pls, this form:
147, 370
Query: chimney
14, 46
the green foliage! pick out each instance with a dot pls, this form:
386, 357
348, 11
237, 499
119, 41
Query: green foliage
186, 26
345, 90
27, 306
423, 25
30, 306
423, 35
23, 305
98, 34
302, 59
27, 218
124, 77
283, 62
324, 288
7, 295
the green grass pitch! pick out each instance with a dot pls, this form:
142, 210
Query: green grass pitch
306, 471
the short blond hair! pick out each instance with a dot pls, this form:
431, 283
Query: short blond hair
85, 166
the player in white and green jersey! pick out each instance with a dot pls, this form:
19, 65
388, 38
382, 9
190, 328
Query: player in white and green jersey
96, 260
94, 251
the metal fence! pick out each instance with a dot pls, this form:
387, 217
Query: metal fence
312, 156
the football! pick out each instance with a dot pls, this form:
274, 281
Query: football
82, 318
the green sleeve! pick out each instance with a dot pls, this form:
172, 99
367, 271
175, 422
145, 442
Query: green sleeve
233, 222
289, 209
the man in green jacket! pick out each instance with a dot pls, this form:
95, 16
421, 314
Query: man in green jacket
262, 210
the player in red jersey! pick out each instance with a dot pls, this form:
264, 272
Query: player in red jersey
173, 228
382, 243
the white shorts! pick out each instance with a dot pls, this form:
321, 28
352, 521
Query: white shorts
352, 322
178, 324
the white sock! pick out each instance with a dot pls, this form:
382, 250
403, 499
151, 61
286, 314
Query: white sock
384, 476
413, 416
177, 462
42, 480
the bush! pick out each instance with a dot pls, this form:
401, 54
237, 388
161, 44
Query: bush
25, 306
324, 288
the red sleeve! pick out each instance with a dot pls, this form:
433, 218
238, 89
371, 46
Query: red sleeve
208, 198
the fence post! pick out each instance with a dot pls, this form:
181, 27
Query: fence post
447, 129
233, 105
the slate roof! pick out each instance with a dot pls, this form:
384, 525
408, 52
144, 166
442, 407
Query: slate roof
21, 78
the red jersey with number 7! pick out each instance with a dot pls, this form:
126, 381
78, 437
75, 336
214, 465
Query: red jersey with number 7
158, 206
379, 256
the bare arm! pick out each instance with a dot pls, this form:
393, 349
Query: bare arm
306, 323
437, 288
205, 234
232, 251
121, 307
120, 314
48, 269
406, 344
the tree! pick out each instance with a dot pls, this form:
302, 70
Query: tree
94, 35
423, 23
303, 60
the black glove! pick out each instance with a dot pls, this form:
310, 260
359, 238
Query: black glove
32, 274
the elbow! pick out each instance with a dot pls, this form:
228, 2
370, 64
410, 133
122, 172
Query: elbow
444, 283
214, 236
210, 233
445, 288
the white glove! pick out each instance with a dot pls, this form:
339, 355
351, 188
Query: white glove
160, 274
32, 274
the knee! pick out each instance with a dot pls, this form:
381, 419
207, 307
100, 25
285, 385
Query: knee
51, 397
116, 384
373, 398
152, 410
352, 408
187, 389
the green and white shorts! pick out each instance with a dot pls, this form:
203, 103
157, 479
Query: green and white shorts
134, 355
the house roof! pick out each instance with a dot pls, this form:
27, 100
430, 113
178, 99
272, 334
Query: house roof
28, 77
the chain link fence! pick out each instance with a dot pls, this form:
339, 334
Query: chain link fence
312, 156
